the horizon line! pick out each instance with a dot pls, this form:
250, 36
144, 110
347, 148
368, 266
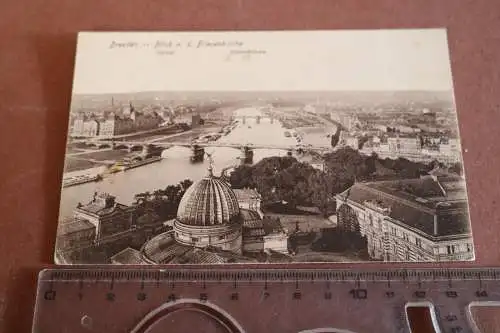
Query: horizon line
263, 91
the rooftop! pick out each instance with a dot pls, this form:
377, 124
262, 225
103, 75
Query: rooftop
246, 194
402, 136
100, 210
249, 215
272, 225
128, 256
163, 249
416, 202
73, 224
102, 204
258, 227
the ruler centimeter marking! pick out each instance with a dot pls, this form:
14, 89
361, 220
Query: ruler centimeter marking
117, 299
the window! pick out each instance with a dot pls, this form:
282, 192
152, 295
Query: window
469, 247
405, 236
222, 237
450, 249
393, 231
380, 223
418, 242
408, 253
371, 219
195, 239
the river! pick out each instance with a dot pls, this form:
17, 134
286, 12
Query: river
175, 165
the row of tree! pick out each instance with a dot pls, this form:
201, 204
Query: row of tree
286, 179
163, 202
297, 183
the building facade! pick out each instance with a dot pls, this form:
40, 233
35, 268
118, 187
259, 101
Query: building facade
423, 219
105, 227
110, 123
109, 217
401, 145
349, 122
263, 234
250, 199
74, 233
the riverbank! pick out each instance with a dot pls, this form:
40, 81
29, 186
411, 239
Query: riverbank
79, 159
93, 159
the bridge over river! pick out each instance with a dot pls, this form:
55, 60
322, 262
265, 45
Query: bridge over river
139, 145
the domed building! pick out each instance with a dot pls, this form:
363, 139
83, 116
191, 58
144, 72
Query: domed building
209, 216
215, 224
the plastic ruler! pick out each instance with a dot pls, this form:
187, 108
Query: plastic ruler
206, 300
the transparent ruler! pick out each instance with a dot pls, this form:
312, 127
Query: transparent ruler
206, 300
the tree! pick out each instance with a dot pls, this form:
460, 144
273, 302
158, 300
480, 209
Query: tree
322, 187
456, 168
348, 162
336, 137
242, 177
185, 184
171, 191
141, 198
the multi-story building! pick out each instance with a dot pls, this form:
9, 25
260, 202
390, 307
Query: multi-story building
101, 226
78, 123
401, 145
407, 129
196, 120
107, 126
249, 198
263, 234
74, 233
111, 124
423, 219
143, 121
349, 122
109, 217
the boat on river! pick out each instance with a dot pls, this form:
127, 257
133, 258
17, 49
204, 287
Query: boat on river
81, 179
117, 167
131, 164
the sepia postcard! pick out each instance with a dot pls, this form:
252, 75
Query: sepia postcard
263, 147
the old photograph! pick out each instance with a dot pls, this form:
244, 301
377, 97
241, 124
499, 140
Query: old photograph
263, 147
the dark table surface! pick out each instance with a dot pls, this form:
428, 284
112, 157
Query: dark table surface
37, 46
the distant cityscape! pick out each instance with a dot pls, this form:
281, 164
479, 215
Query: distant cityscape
155, 178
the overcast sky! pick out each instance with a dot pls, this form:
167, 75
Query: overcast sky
311, 61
